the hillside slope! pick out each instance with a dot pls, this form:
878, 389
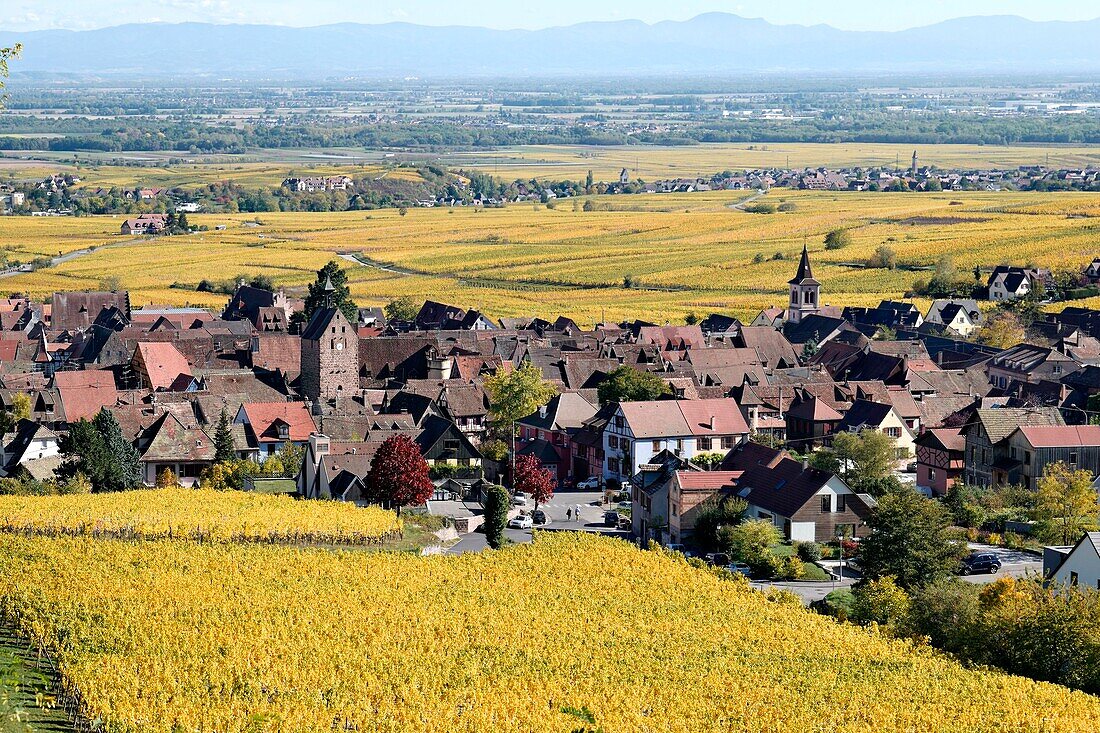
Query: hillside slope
552, 636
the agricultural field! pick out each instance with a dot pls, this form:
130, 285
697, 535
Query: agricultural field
268, 167
198, 514
683, 253
182, 636
652, 162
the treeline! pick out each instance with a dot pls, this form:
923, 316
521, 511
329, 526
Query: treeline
872, 127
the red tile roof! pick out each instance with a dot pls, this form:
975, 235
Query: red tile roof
705, 480
83, 393
163, 363
684, 417
1057, 436
262, 416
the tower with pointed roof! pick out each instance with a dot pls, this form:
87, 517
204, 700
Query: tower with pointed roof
330, 354
805, 291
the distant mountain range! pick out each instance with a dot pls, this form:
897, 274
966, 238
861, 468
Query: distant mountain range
710, 44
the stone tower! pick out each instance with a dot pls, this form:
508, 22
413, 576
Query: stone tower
330, 355
805, 291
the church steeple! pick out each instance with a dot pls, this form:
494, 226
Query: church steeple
329, 291
805, 274
805, 291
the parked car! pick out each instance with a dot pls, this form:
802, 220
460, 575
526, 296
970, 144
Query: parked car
611, 519
720, 559
980, 562
589, 484
739, 568
523, 521
539, 517
676, 547
519, 498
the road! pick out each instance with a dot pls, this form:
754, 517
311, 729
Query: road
592, 511
54, 261
1015, 563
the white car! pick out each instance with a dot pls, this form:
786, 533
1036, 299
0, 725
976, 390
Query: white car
523, 521
519, 498
589, 484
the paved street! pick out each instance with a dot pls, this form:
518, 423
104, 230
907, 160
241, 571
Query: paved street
592, 511
1015, 563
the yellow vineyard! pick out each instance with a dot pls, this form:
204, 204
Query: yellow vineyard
178, 636
211, 516
684, 253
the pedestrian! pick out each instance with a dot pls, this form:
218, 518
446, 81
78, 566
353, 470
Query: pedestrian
578, 512
569, 514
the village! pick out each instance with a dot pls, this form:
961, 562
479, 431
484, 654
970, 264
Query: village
650, 425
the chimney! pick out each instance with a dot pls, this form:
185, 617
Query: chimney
711, 425
754, 418
805, 464
542, 411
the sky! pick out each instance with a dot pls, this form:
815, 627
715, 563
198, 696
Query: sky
25, 15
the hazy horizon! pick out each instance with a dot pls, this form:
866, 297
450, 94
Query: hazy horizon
857, 15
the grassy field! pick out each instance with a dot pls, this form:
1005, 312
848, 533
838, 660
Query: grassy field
169, 636
27, 692
558, 162
686, 252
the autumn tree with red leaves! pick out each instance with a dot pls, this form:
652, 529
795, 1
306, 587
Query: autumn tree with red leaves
533, 479
399, 474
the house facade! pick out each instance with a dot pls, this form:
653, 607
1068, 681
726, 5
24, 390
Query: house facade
638, 431
940, 459
1032, 448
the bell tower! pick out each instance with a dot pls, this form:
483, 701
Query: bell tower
805, 291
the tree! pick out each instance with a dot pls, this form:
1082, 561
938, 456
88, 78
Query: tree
496, 507
750, 542
867, 457
879, 601
514, 395
810, 348
1002, 330
713, 515
224, 450
531, 478
20, 409
1066, 506
341, 296
124, 463
85, 453
7, 54
884, 258
625, 384
838, 239
402, 309
945, 612
398, 474
911, 539
166, 479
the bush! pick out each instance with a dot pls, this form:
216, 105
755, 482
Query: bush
789, 568
496, 506
838, 239
762, 207
880, 601
884, 258
808, 551
787, 207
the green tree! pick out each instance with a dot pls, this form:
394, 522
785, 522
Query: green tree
224, 450
1066, 506
867, 458
946, 612
516, 394
911, 539
714, 514
625, 384
838, 239
402, 309
84, 452
124, 463
341, 296
750, 542
496, 507
7, 54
